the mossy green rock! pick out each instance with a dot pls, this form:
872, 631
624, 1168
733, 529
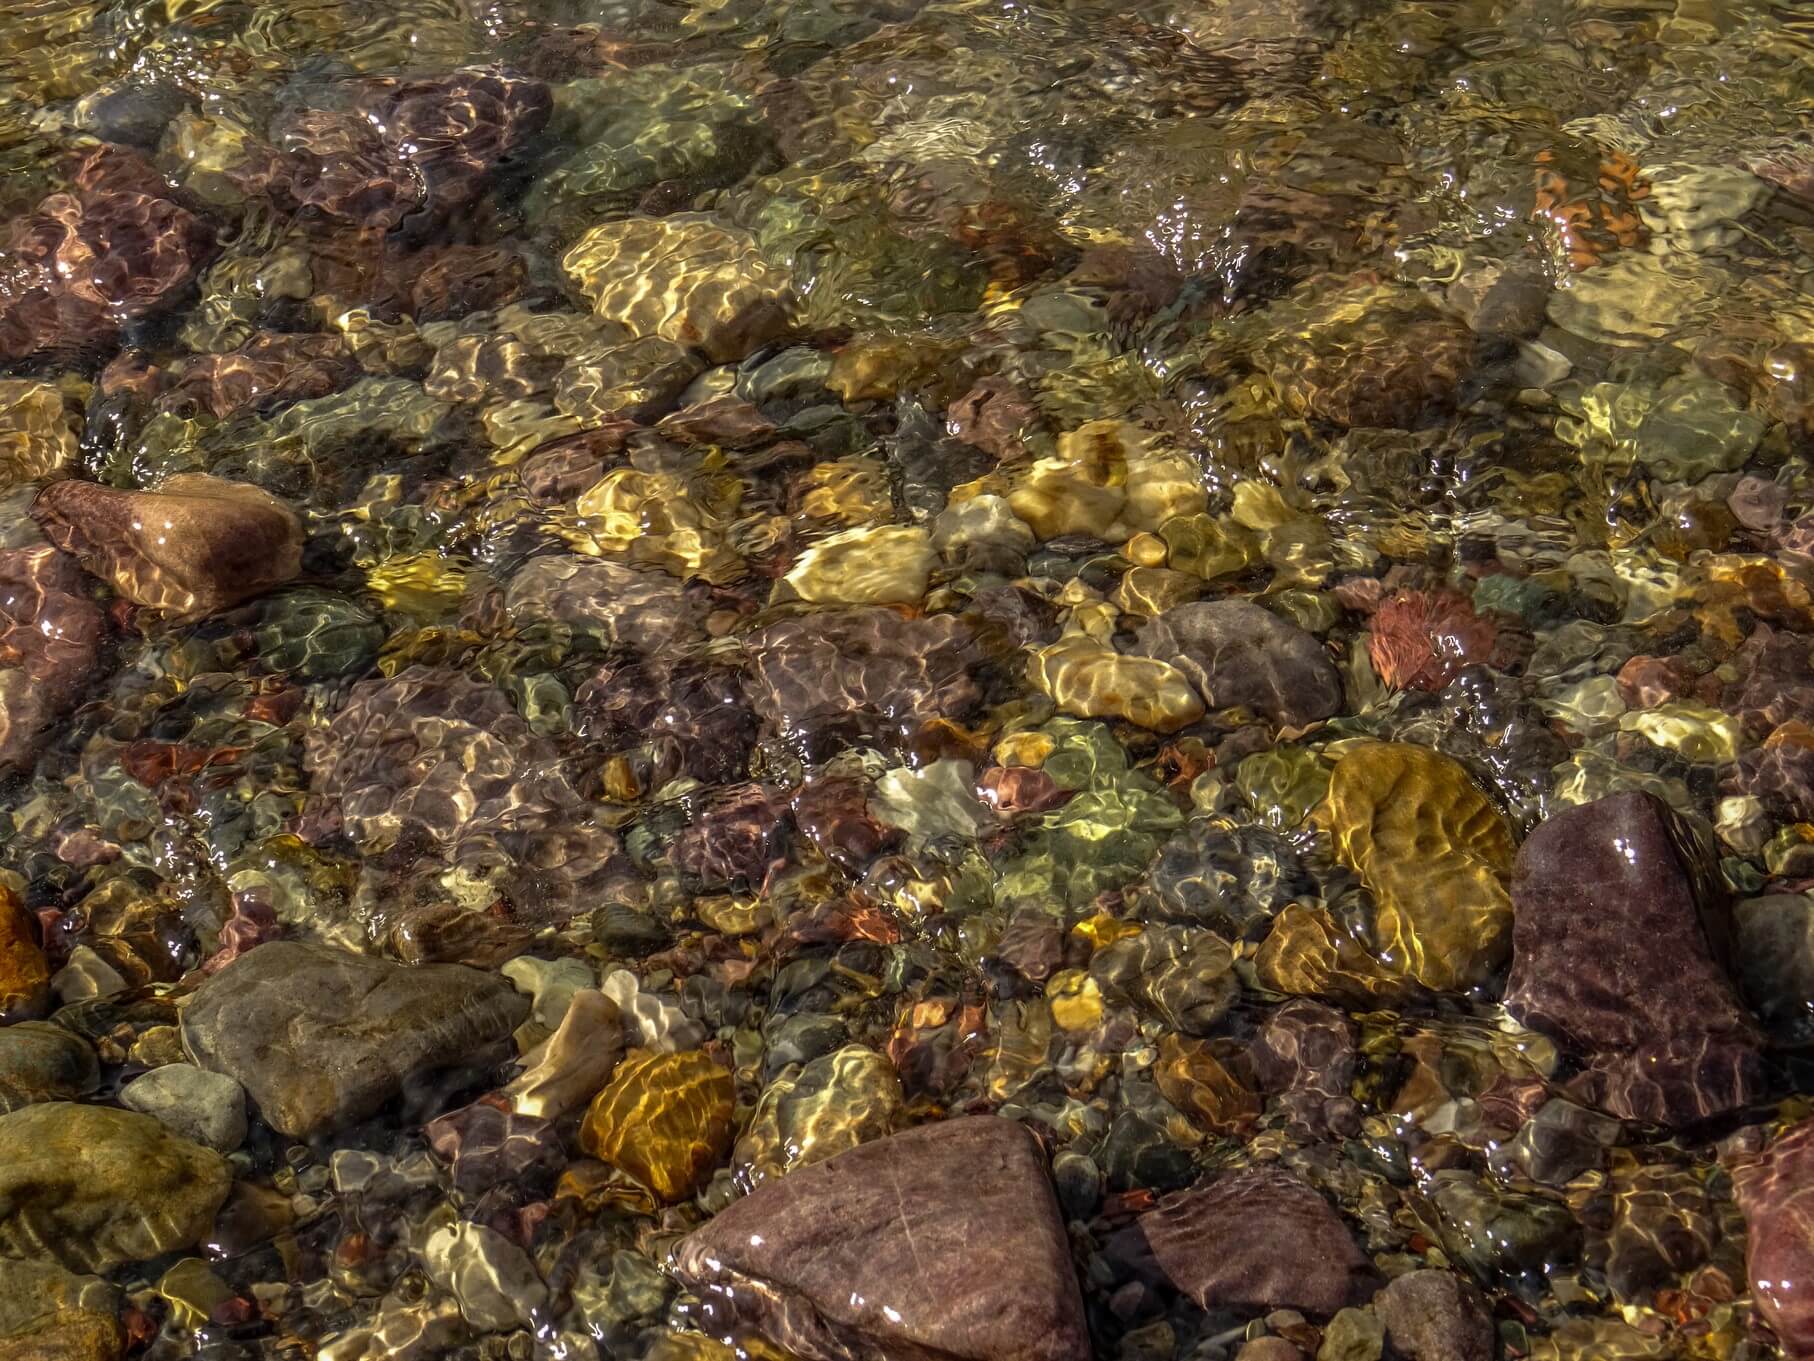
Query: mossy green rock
93, 1187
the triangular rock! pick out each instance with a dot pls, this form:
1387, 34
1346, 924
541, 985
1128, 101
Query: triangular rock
939, 1244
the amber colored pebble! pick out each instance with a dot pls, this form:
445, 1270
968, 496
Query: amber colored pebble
24, 972
1145, 550
1075, 999
1194, 1080
664, 1119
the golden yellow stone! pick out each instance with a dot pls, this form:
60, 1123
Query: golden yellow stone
1145, 550
664, 1119
1029, 748
732, 916
1154, 590
1075, 1000
1207, 547
1089, 679
1193, 1079
661, 519
1700, 734
39, 430
1101, 930
1261, 506
1434, 851
24, 972
422, 584
620, 781
1308, 954
878, 364
878, 565
851, 491
1108, 483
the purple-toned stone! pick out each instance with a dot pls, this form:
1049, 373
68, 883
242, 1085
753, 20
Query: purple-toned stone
1304, 1055
832, 812
1238, 653
1435, 1316
486, 1146
1259, 1239
940, 1242
1614, 953
644, 609
1776, 1192
739, 841
1775, 670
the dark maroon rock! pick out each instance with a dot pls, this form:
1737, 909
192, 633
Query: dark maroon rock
1616, 946
832, 812
50, 636
1776, 1192
1781, 772
1259, 1239
940, 1243
1238, 653
267, 370
847, 669
1436, 1316
738, 842
1304, 1055
457, 279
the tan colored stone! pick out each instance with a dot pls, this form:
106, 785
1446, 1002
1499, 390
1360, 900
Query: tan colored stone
1091, 680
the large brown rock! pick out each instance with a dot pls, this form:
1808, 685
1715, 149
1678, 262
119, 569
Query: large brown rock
940, 1243
322, 1038
1436, 1316
1617, 941
1260, 1239
193, 545
93, 1187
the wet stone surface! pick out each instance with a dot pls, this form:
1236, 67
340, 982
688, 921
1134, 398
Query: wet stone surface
689, 679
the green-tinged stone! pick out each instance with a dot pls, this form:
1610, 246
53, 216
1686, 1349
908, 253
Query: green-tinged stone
815, 1111
1282, 785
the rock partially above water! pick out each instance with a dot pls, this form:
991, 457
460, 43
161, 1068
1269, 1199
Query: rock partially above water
1614, 955
1259, 1239
94, 1187
191, 546
943, 1241
1776, 1192
1236, 652
322, 1038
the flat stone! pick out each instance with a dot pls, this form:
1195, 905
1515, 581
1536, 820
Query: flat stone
1436, 1316
1614, 956
567, 1069
50, 638
93, 1187
192, 545
1238, 653
40, 1061
323, 1038
207, 1108
1259, 1239
943, 1241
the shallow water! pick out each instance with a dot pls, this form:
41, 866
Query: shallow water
608, 605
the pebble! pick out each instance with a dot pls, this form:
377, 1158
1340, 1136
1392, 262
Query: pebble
41, 1061
664, 1119
1237, 653
491, 1278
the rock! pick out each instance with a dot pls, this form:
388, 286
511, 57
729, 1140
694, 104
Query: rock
322, 1038
40, 1061
1615, 956
191, 546
1108, 482
1419, 640
70, 1335
33, 1293
1237, 653
490, 1277
1776, 1192
1436, 1316
1268, 1349
39, 434
552, 984
206, 1108
1435, 853
943, 1241
684, 278
1183, 974
1309, 953
1352, 1335
50, 637
572, 1064
94, 1187
488, 1147
1304, 1055
24, 972
1502, 298
665, 1119
1257, 1239
875, 565
1091, 680
1191, 1076
1775, 959
1507, 1237
811, 1113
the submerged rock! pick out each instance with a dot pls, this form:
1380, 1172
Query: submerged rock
664, 1119
192, 545
41, 1061
944, 1240
1237, 653
206, 1108
1615, 955
50, 636
1436, 1316
24, 971
323, 1038
1258, 1239
1435, 852
1776, 1192
93, 1187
